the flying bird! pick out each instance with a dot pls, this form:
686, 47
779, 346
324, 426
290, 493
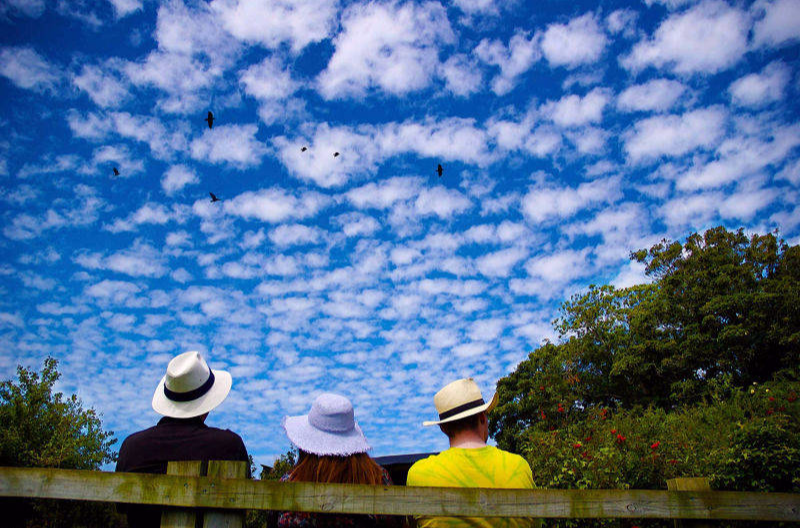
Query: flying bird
303, 149
439, 170
335, 154
116, 171
210, 119
214, 198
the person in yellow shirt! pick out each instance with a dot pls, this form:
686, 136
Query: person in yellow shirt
469, 463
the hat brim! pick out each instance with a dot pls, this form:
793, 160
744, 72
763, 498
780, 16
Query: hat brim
189, 409
475, 410
318, 442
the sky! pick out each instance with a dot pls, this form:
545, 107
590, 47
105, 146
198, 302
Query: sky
569, 133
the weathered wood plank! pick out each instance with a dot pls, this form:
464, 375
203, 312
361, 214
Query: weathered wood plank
689, 484
226, 469
181, 517
207, 492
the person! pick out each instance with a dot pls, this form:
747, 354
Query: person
184, 397
469, 462
333, 449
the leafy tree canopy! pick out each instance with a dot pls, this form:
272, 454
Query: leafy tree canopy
41, 429
722, 306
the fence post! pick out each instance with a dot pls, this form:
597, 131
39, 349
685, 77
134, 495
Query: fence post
181, 517
225, 518
689, 484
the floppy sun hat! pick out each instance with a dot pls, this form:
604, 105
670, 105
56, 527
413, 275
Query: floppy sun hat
330, 428
190, 387
458, 400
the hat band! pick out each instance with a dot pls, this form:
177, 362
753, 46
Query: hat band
461, 408
192, 394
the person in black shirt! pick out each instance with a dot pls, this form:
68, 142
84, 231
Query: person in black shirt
185, 396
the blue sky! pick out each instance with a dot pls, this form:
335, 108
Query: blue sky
570, 134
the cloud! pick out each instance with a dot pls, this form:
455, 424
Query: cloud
622, 21
271, 205
707, 38
657, 95
176, 178
29, 70
232, 144
559, 267
80, 211
294, 234
441, 201
103, 84
522, 53
580, 41
29, 8
759, 89
150, 213
389, 47
357, 224
675, 135
163, 144
140, 260
272, 85
274, 22
574, 110
384, 194
780, 23
123, 8
545, 202
500, 263
461, 75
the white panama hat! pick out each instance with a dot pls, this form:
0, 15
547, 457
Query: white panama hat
330, 428
458, 400
190, 387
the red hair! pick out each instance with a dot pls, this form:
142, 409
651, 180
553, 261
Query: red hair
353, 469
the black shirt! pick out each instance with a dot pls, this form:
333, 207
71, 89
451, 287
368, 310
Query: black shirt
174, 439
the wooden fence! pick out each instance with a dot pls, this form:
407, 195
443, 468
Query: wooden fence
219, 489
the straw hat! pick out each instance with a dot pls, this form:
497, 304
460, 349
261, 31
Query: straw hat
329, 429
190, 388
458, 400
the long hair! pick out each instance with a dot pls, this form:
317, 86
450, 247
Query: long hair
352, 469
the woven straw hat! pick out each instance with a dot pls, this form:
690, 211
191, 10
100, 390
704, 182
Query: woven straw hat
458, 400
190, 387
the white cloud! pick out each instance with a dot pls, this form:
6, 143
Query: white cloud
386, 46
294, 234
573, 110
271, 205
384, 194
30, 8
707, 38
632, 274
82, 210
271, 83
27, 69
658, 95
759, 89
274, 22
233, 144
780, 23
123, 8
580, 41
103, 84
622, 21
675, 135
357, 224
441, 201
150, 213
462, 76
176, 178
140, 260
560, 267
522, 52
544, 202
500, 263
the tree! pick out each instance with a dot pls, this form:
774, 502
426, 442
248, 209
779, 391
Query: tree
722, 306
41, 429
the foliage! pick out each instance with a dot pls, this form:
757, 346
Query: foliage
282, 465
41, 429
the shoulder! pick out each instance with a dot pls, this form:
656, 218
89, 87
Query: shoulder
512, 458
224, 435
420, 472
135, 438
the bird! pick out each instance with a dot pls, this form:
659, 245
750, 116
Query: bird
439, 170
335, 154
214, 198
303, 149
210, 119
116, 171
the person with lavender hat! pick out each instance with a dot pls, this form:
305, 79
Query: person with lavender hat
332, 449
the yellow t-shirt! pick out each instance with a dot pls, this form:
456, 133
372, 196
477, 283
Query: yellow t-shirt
485, 467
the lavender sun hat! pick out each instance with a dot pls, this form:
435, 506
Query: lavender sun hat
329, 428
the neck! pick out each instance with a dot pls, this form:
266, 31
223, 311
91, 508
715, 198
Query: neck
468, 440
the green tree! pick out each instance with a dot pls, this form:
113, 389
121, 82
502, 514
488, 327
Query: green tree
39, 428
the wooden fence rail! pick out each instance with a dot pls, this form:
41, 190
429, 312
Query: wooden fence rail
219, 493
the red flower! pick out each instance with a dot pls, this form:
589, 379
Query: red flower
792, 397
544, 417
560, 408
620, 439
771, 398
770, 411
613, 431
577, 445
541, 388
655, 445
588, 439
673, 461
781, 408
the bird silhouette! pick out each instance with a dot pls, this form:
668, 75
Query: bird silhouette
335, 154
214, 198
303, 149
439, 170
210, 119
116, 171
